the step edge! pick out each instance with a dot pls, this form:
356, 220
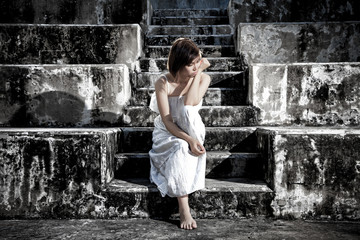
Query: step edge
144, 185
192, 26
209, 58
202, 107
191, 17
209, 89
210, 73
211, 153
200, 46
190, 35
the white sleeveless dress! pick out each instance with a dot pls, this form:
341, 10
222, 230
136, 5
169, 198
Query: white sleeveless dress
174, 169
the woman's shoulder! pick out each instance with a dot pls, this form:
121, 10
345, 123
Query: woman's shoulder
161, 80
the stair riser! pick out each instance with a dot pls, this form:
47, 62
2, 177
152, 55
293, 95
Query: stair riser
63, 95
190, 30
218, 79
306, 42
214, 97
43, 171
189, 13
69, 44
218, 165
314, 169
211, 51
166, 40
189, 21
139, 140
212, 117
159, 65
204, 205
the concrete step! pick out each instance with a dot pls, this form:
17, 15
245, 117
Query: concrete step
69, 44
177, 20
305, 42
217, 64
207, 50
189, 30
62, 95
233, 139
40, 167
313, 170
308, 94
190, 12
218, 165
213, 116
213, 97
166, 40
218, 79
221, 198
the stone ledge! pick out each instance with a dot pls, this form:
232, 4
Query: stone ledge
69, 11
299, 42
71, 44
63, 95
311, 94
230, 198
46, 172
313, 171
241, 11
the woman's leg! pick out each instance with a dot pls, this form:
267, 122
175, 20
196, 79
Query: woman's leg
186, 220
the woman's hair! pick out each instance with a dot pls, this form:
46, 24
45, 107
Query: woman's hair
182, 53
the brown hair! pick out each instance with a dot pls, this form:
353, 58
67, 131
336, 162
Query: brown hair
182, 53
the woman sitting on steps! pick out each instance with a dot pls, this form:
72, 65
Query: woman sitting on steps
178, 157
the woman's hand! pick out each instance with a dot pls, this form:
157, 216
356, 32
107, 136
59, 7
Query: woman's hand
204, 64
196, 147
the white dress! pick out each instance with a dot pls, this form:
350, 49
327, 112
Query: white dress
174, 169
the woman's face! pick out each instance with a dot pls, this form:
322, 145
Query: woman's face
191, 69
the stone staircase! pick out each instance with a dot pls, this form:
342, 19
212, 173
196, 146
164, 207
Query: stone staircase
282, 135
234, 172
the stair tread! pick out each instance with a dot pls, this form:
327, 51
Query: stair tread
209, 58
190, 35
210, 153
192, 17
200, 46
204, 107
209, 89
188, 9
211, 185
249, 128
192, 26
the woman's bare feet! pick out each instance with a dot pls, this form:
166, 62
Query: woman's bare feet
186, 220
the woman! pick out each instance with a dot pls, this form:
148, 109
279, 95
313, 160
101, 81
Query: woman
178, 157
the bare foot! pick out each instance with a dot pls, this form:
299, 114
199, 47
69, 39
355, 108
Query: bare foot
186, 221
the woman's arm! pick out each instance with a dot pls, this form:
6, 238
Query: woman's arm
164, 109
199, 85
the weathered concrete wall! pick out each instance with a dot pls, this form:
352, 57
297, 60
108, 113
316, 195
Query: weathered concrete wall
54, 173
299, 42
246, 11
74, 11
315, 172
306, 94
70, 44
63, 95
193, 4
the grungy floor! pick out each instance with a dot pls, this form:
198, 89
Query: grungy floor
255, 228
